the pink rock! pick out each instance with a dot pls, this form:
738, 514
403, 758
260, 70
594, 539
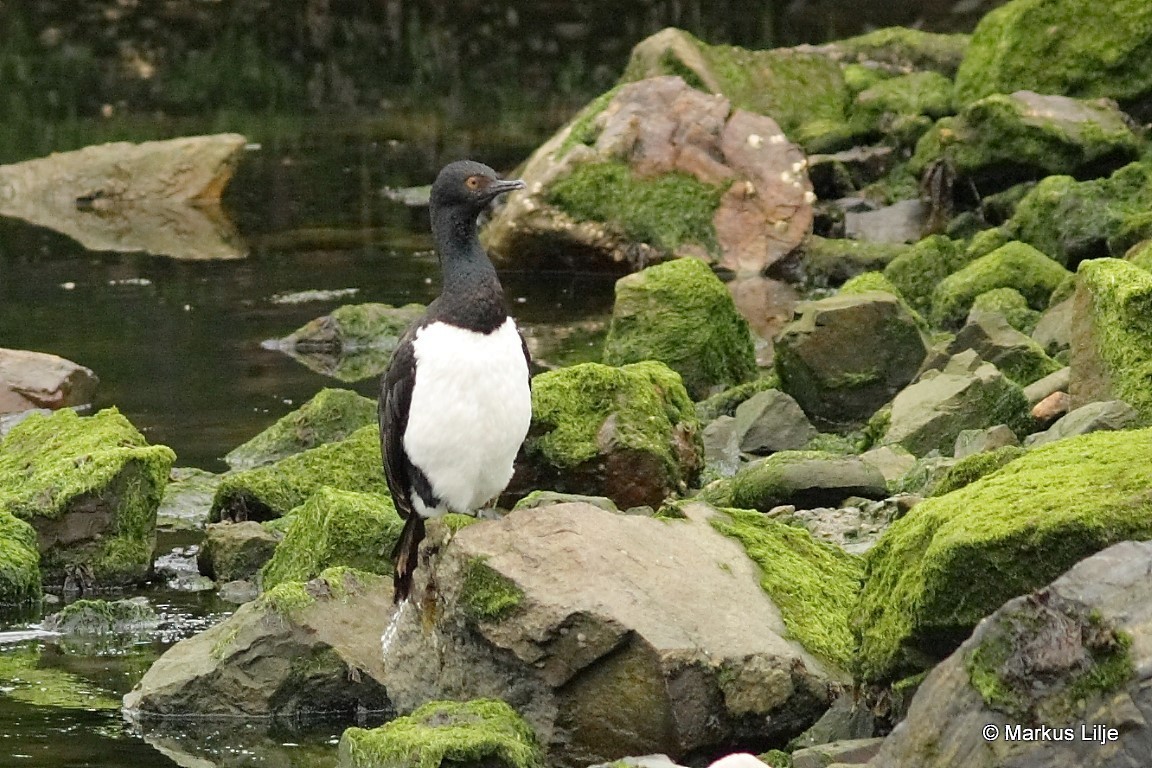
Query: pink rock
39, 380
1051, 408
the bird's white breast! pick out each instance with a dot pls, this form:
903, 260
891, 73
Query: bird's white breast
470, 410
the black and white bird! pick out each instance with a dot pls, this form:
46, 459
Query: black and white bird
455, 402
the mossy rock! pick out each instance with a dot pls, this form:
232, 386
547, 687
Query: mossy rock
1001, 140
1069, 47
90, 486
628, 433
804, 479
331, 415
1013, 353
1140, 255
19, 562
1015, 265
441, 734
804, 92
353, 327
815, 585
1010, 304
335, 528
234, 551
1073, 220
1111, 351
902, 49
971, 468
681, 314
104, 617
725, 403
918, 271
890, 108
353, 464
877, 281
830, 261
956, 558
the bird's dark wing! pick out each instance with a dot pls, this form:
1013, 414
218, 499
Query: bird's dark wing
395, 397
527, 356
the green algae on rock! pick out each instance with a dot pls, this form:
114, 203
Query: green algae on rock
971, 468
829, 261
440, 734
627, 433
486, 595
916, 272
90, 486
103, 617
352, 464
801, 478
954, 559
681, 314
232, 551
815, 585
903, 49
1068, 47
1015, 265
335, 528
1111, 354
19, 561
331, 415
902, 108
1010, 304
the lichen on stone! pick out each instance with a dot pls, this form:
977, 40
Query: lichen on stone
814, 584
446, 733
1015, 265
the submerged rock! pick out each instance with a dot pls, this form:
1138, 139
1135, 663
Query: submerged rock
161, 197
331, 415
299, 651
103, 617
90, 487
1071, 658
38, 380
602, 629
471, 734
954, 559
681, 314
628, 433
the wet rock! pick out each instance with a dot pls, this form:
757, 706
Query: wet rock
238, 592
845, 356
847, 718
972, 441
187, 499
538, 499
848, 752
721, 448
301, 650
1010, 304
1111, 352
800, 478
1062, 47
352, 343
771, 421
644, 761
627, 433
481, 733
335, 528
38, 380
103, 617
1001, 140
1053, 332
967, 394
951, 560
600, 629
902, 222
1072, 221
653, 170
91, 494
331, 415
1105, 415
1015, 265
1054, 382
264, 493
842, 173
19, 561
234, 551
1072, 655
1016, 355
1051, 408
681, 314
161, 197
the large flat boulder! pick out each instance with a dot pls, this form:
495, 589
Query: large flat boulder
38, 380
615, 634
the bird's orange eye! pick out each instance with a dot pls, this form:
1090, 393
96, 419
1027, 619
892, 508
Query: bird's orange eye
472, 182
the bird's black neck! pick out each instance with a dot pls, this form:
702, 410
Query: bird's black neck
471, 296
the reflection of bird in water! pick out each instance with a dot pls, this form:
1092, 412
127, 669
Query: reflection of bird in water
455, 403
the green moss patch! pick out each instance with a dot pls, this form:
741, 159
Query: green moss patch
1014, 265
954, 559
335, 528
446, 733
971, 468
1010, 304
905, 49
681, 314
353, 464
814, 585
99, 467
666, 211
486, 595
917, 272
289, 598
890, 107
333, 414
19, 562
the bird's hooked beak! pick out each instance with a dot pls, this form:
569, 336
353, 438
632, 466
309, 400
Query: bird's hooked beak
500, 186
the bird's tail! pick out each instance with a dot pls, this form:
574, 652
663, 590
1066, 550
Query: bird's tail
405, 555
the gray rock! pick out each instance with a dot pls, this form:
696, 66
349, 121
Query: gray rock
602, 631
721, 447
31, 380
238, 592
893, 461
842, 173
972, 441
1107, 415
644, 761
968, 394
1015, 355
772, 421
846, 356
1057, 381
804, 479
1041, 651
187, 499
1054, 331
847, 718
234, 551
848, 752
902, 222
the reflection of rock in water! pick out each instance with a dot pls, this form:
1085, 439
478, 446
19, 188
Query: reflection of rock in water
352, 343
161, 197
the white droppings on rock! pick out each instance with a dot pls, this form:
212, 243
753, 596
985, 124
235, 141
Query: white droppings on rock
809, 196
777, 138
755, 140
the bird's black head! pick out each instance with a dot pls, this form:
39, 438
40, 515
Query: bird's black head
469, 185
